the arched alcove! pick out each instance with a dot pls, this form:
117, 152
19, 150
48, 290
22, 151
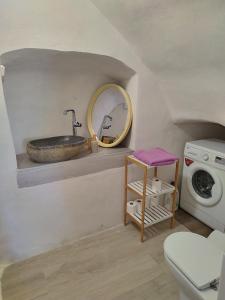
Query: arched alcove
40, 83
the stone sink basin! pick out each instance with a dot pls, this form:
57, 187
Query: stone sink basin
55, 149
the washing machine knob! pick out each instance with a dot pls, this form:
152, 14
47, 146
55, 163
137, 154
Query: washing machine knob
205, 157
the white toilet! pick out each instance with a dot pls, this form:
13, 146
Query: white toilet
196, 263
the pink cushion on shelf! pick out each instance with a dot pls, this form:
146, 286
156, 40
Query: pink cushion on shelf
155, 157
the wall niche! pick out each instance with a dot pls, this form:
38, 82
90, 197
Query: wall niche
39, 84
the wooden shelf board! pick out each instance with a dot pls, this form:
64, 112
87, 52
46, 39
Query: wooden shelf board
153, 215
137, 187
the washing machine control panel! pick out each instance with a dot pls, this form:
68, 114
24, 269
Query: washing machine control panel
198, 154
191, 152
202, 155
205, 156
220, 160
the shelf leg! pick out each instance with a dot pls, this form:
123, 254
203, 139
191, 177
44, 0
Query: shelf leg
143, 204
125, 192
155, 172
172, 222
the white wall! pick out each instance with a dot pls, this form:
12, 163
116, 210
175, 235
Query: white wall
47, 216
196, 95
36, 219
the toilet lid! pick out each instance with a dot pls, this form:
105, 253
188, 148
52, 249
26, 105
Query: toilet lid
195, 256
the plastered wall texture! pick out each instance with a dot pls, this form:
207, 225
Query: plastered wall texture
36, 219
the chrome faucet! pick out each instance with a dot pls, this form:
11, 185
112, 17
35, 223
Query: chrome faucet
104, 125
104, 122
75, 124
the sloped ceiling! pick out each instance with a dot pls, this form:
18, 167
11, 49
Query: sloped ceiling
171, 34
183, 43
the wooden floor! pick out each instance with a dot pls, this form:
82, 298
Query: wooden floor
192, 224
113, 265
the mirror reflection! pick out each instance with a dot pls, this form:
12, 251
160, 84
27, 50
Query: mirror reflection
109, 116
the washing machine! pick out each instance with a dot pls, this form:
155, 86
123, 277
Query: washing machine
203, 182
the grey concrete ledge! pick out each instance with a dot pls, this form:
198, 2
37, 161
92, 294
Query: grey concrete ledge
30, 173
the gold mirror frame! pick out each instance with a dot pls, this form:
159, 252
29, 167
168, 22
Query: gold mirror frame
91, 105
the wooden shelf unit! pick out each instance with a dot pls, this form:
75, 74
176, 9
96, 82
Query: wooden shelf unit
146, 217
137, 187
153, 215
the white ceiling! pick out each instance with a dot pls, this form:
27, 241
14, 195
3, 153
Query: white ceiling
171, 34
183, 43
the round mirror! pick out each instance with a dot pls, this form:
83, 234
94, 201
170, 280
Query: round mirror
109, 115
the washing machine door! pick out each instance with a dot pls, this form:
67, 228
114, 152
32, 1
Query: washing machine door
204, 184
